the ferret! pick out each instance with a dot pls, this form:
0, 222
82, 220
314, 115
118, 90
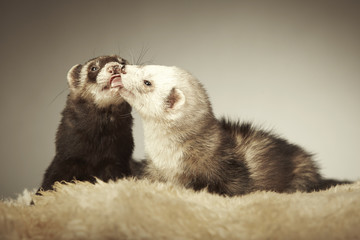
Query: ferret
187, 145
94, 138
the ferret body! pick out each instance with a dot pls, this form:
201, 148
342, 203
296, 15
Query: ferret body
94, 138
186, 145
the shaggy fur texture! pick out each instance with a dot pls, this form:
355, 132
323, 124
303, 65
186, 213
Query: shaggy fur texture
138, 209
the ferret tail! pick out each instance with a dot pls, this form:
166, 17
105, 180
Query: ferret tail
328, 183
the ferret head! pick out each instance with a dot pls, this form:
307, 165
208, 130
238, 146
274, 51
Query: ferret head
92, 80
164, 93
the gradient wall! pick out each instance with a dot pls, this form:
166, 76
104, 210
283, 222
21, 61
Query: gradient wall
290, 66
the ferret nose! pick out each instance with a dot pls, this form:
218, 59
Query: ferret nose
114, 69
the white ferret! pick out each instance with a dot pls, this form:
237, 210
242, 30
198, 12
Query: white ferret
186, 145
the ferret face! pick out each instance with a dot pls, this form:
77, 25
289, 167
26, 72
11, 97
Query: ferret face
163, 93
152, 90
92, 81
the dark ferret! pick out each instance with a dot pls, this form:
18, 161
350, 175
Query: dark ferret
94, 138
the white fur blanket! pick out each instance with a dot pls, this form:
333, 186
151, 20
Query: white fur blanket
131, 209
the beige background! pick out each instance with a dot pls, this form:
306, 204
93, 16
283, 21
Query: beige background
290, 66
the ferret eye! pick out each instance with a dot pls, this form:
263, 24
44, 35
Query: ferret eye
94, 69
147, 83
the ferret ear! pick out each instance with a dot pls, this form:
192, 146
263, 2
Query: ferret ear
175, 99
73, 76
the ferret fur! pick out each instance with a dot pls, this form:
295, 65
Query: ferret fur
94, 138
186, 145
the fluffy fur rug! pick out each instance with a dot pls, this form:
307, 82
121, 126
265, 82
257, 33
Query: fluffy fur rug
131, 209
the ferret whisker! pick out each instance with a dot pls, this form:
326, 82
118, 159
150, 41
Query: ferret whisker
147, 63
53, 100
132, 57
126, 115
137, 61
142, 55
